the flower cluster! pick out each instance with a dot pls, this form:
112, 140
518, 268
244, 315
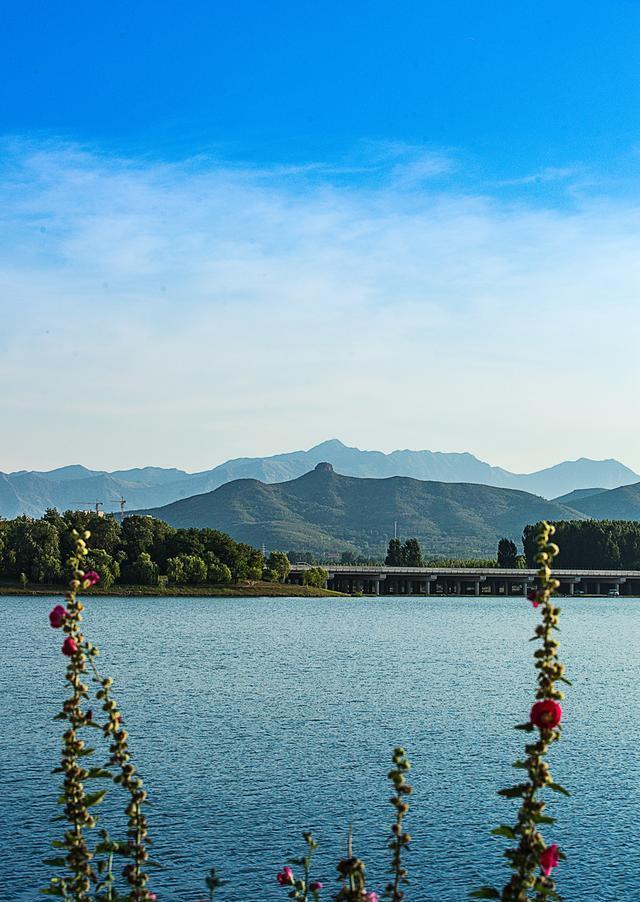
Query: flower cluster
531, 860
301, 888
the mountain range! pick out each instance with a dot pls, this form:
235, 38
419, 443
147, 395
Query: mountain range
77, 487
323, 511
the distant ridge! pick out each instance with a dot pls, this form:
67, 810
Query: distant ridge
617, 504
31, 492
323, 511
574, 498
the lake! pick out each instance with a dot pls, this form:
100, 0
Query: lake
253, 719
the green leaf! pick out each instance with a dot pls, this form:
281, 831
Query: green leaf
485, 892
527, 727
557, 788
57, 862
512, 792
57, 844
92, 723
51, 891
565, 680
504, 830
60, 716
93, 798
543, 819
97, 772
83, 752
522, 765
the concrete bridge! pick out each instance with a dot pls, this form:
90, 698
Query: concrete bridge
366, 580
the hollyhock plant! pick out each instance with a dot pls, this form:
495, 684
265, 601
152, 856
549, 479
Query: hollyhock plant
303, 888
89, 872
399, 839
57, 616
530, 851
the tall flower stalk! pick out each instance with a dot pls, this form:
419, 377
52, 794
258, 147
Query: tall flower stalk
400, 840
352, 878
85, 878
532, 860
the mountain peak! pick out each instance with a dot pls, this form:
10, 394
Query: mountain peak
324, 467
329, 444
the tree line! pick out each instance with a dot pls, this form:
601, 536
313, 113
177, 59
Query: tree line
590, 544
137, 551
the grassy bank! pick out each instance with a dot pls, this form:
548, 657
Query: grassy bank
242, 589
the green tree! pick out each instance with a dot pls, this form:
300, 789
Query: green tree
315, 576
141, 572
394, 556
412, 554
137, 535
104, 529
507, 553
32, 547
280, 564
186, 570
217, 572
102, 562
591, 544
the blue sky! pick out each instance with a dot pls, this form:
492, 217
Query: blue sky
252, 226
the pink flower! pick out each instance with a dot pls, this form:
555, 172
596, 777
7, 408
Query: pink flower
90, 579
372, 897
533, 597
57, 615
69, 647
546, 714
315, 886
285, 877
549, 859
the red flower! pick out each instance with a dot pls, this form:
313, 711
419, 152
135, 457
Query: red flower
549, 859
546, 714
57, 615
314, 887
69, 647
285, 877
90, 579
533, 597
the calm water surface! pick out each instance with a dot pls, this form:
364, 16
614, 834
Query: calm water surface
253, 719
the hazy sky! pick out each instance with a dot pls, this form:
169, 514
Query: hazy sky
237, 229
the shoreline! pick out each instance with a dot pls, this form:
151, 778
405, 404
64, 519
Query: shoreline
257, 589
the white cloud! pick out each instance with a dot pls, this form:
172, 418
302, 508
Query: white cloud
210, 311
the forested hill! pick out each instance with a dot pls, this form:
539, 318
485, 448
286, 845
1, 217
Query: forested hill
616, 504
323, 511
